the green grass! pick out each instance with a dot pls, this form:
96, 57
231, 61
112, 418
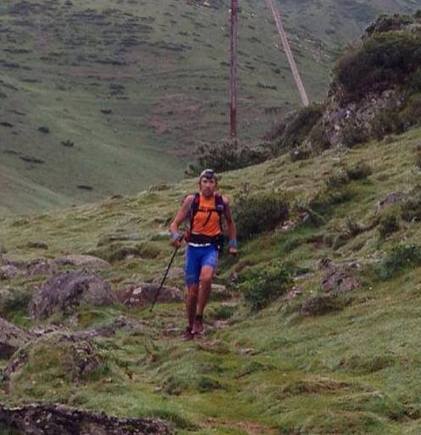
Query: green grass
354, 370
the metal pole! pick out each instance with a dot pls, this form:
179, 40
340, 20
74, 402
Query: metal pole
233, 69
164, 278
284, 39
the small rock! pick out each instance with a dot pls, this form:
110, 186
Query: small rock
8, 271
144, 293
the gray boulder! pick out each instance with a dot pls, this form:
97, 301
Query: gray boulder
65, 291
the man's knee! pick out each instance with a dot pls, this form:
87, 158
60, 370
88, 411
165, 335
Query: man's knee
206, 275
192, 290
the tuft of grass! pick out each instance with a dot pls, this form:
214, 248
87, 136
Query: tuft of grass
399, 259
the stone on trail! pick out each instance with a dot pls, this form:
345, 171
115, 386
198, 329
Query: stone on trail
143, 294
65, 291
11, 338
59, 419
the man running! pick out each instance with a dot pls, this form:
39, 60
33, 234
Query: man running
204, 241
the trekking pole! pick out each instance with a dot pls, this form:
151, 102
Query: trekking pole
164, 278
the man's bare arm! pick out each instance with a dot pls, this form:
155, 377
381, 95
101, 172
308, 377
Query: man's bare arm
181, 214
232, 229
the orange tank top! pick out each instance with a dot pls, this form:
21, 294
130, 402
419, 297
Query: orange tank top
206, 221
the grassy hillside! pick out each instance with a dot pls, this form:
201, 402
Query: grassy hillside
311, 361
102, 98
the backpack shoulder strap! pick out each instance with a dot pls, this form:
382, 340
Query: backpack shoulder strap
219, 204
194, 208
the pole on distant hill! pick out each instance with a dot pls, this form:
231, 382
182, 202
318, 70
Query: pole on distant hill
284, 39
233, 69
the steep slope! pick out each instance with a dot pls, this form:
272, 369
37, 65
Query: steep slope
105, 98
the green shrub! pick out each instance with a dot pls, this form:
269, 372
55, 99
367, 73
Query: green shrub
411, 207
296, 127
328, 198
359, 171
227, 156
411, 114
353, 134
383, 59
389, 223
386, 122
223, 312
400, 258
337, 179
260, 212
263, 284
318, 137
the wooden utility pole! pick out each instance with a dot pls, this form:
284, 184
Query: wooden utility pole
233, 69
284, 39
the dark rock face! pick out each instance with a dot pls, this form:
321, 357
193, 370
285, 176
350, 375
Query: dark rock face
143, 294
64, 292
11, 338
39, 419
341, 118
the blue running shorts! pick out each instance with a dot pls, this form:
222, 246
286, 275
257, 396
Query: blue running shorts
196, 258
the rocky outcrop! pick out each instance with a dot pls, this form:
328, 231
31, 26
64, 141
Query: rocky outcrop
348, 123
37, 419
65, 291
11, 338
74, 357
338, 279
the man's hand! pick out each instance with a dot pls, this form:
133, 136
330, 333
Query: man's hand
233, 251
232, 247
176, 239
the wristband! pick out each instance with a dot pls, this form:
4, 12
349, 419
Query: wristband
232, 244
175, 236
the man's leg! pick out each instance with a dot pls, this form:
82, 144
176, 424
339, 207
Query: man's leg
191, 303
207, 271
192, 272
206, 276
